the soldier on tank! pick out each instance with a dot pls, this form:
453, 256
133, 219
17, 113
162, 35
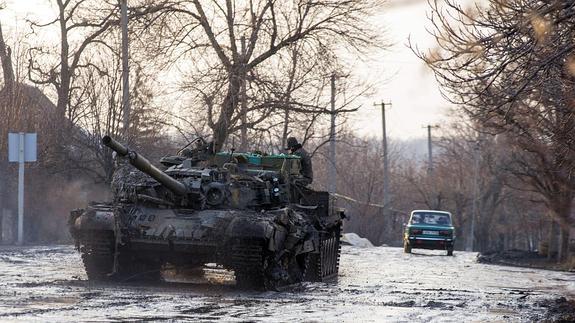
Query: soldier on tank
200, 153
295, 148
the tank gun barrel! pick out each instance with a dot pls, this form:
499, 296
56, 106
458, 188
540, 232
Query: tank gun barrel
143, 165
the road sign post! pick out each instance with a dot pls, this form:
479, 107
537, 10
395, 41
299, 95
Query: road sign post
21, 149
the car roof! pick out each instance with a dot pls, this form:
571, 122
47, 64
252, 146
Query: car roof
431, 211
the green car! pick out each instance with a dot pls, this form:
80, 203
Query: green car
428, 229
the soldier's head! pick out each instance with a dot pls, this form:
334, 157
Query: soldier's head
200, 144
186, 152
293, 144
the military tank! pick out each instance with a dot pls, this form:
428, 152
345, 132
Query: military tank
241, 211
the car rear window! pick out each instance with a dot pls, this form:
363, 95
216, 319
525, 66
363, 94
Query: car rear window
430, 218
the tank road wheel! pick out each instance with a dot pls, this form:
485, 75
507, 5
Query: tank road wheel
298, 268
255, 268
131, 269
406, 247
288, 271
324, 266
97, 249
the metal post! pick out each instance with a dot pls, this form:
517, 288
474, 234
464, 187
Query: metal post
21, 189
429, 149
244, 129
125, 68
385, 160
386, 196
332, 164
475, 193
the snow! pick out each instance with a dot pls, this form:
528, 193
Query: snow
355, 240
375, 284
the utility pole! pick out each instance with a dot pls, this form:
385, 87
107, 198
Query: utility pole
244, 110
125, 68
471, 239
430, 149
386, 196
332, 164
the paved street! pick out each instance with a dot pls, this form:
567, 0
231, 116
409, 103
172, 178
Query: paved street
377, 284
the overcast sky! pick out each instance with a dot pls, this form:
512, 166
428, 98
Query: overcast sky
402, 78
405, 81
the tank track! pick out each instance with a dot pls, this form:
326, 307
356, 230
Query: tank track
97, 249
248, 264
253, 268
324, 267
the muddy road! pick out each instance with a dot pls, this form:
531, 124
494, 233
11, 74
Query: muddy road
376, 284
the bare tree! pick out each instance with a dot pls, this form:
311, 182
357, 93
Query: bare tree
98, 110
508, 65
84, 26
71, 160
290, 49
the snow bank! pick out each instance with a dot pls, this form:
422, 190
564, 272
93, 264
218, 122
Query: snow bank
355, 240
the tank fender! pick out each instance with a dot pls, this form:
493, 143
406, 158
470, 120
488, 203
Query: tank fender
93, 219
241, 227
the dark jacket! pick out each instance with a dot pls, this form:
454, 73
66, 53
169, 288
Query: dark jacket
306, 166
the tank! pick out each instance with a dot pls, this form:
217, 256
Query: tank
240, 211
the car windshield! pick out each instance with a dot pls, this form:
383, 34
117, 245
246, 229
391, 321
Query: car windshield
431, 218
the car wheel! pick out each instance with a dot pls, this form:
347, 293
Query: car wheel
406, 247
450, 252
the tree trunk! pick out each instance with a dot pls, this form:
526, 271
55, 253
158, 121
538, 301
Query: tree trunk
482, 241
500, 242
1, 202
563, 244
63, 89
561, 206
552, 238
8, 70
229, 106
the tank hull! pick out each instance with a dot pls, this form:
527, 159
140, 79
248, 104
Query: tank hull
266, 249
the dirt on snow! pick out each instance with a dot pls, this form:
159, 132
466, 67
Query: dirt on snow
376, 284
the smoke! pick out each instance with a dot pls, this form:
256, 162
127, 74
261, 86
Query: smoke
49, 202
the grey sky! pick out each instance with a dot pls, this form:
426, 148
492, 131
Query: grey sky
404, 80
